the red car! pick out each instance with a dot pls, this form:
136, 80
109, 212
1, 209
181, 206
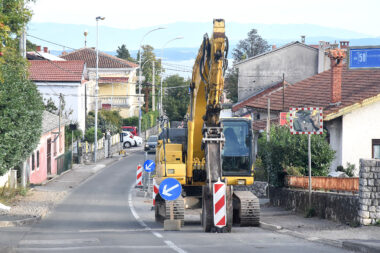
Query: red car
131, 129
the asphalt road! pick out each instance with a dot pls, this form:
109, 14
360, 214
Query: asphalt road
104, 215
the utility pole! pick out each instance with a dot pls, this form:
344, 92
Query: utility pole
268, 121
23, 40
153, 88
283, 91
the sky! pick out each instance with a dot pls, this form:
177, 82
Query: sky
360, 16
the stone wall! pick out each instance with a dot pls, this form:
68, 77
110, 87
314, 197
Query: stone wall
334, 206
89, 156
369, 191
260, 189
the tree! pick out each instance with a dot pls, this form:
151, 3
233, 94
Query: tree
123, 53
249, 47
285, 150
147, 59
21, 105
231, 84
21, 110
246, 48
176, 99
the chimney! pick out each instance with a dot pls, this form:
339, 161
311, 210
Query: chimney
46, 50
274, 47
303, 39
344, 44
38, 48
336, 57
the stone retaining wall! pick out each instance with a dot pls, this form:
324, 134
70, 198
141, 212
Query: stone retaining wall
369, 191
260, 189
334, 206
89, 156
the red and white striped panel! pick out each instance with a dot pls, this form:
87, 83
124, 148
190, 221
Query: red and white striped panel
155, 191
139, 175
220, 216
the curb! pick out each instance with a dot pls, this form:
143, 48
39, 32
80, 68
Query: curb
359, 247
279, 229
22, 222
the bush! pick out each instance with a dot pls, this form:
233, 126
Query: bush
285, 150
349, 170
131, 121
77, 135
294, 171
261, 173
90, 135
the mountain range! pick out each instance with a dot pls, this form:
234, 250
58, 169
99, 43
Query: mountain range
70, 36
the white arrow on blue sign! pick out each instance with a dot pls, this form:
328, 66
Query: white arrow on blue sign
170, 189
149, 166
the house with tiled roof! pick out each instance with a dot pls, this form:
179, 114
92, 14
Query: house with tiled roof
117, 80
65, 78
43, 162
292, 62
351, 104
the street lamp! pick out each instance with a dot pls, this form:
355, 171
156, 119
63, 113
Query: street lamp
162, 59
97, 86
140, 70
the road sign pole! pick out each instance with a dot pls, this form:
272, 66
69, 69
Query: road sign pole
309, 155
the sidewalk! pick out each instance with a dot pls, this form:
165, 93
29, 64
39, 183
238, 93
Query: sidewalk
361, 239
40, 200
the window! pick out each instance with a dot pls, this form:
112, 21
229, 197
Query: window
33, 162
376, 148
38, 159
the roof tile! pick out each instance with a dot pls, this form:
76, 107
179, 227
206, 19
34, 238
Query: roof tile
105, 60
56, 71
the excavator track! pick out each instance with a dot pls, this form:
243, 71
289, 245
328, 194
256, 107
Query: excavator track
246, 209
162, 210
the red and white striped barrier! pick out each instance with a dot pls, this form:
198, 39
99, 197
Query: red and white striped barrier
155, 191
220, 216
139, 175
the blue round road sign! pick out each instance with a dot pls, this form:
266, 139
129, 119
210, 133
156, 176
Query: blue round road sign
149, 166
170, 189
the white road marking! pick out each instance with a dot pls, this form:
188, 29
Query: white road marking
134, 213
112, 230
142, 223
79, 248
174, 247
157, 234
58, 241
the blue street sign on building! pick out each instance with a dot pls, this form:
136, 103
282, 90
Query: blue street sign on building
170, 189
364, 57
149, 166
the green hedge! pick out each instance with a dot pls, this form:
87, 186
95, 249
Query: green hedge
149, 120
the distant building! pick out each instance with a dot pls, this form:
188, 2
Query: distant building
292, 63
62, 77
117, 81
44, 54
351, 103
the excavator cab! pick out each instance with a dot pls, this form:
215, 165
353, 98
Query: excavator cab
237, 151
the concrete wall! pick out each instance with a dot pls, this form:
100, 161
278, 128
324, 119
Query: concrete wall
335, 129
337, 207
73, 94
358, 129
297, 61
4, 179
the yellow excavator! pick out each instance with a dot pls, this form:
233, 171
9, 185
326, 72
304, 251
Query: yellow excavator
209, 148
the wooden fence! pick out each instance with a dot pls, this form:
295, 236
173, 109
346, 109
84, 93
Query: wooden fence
350, 184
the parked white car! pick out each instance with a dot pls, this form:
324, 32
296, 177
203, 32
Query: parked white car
129, 140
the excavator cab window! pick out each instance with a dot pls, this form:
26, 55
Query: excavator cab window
236, 153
